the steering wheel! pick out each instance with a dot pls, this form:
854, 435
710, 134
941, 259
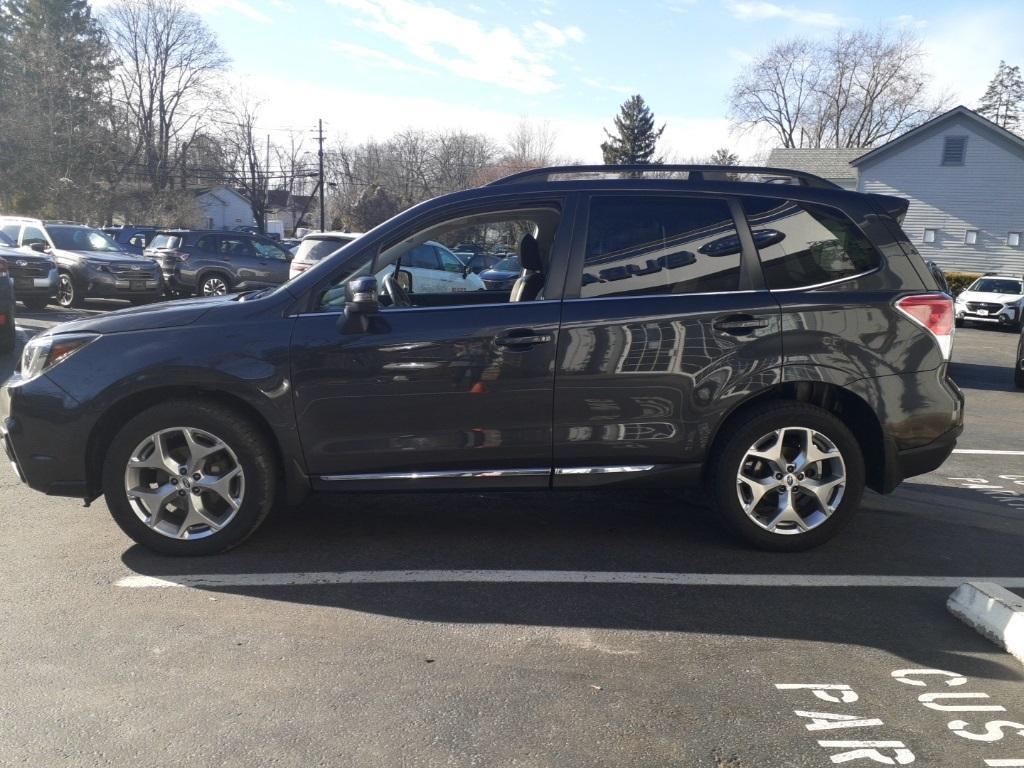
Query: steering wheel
395, 292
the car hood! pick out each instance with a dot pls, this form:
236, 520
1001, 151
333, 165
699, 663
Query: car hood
167, 314
13, 255
993, 298
108, 257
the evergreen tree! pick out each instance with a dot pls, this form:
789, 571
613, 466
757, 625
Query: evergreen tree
635, 139
54, 71
1004, 97
724, 157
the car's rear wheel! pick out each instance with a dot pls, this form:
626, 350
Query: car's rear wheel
189, 478
213, 285
787, 476
68, 295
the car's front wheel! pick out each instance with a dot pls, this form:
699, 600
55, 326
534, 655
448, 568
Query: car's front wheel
189, 478
213, 285
787, 476
68, 295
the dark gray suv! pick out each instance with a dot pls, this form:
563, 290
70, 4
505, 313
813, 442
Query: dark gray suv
217, 262
781, 346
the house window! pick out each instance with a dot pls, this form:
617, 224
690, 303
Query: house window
954, 150
1013, 239
971, 237
929, 235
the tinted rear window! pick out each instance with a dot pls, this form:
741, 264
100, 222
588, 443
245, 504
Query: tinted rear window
642, 245
166, 241
802, 244
314, 249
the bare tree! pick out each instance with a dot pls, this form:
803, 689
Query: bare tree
170, 61
530, 145
247, 156
857, 90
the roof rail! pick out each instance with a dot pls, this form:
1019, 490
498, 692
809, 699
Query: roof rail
694, 173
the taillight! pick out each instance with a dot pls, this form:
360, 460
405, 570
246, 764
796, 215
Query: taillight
3, 269
934, 312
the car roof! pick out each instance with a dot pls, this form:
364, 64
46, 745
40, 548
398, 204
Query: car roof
331, 235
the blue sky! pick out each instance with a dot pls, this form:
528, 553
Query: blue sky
372, 67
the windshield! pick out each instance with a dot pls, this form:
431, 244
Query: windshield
314, 249
165, 241
511, 264
997, 285
5, 240
82, 239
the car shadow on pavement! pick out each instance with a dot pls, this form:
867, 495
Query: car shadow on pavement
996, 378
921, 531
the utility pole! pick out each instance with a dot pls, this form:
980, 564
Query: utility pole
266, 187
320, 138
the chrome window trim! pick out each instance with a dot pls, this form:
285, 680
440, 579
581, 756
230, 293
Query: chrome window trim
452, 306
442, 475
604, 470
829, 282
666, 295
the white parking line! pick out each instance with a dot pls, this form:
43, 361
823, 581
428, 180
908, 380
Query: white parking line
314, 578
984, 452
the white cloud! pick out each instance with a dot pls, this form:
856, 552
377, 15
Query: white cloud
760, 10
593, 82
464, 46
373, 57
908, 21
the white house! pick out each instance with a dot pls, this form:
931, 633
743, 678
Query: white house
223, 208
964, 177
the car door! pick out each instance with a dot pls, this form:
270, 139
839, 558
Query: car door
273, 261
453, 393
666, 326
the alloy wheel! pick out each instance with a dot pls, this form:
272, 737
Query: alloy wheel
214, 286
791, 480
184, 483
65, 291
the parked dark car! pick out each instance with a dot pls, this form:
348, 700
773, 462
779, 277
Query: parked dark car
480, 262
89, 264
473, 248
781, 380
33, 274
218, 262
503, 275
131, 237
7, 330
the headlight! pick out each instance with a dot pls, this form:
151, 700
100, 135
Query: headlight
99, 266
43, 352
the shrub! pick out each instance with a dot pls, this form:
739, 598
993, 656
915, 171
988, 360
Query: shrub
958, 281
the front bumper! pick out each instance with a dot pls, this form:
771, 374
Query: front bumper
1005, 316
32, 285
105, 285
31, 413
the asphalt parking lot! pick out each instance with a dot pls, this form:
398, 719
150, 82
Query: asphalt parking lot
578, 629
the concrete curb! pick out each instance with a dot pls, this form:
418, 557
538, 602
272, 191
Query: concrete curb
993, 611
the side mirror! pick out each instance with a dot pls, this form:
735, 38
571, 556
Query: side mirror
360, 302
39, 247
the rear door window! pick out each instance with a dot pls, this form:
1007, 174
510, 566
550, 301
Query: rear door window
648, 245
803, 244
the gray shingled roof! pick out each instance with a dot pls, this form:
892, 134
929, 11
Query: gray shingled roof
827, 163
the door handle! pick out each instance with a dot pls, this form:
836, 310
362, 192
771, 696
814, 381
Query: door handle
739, 325
521, 338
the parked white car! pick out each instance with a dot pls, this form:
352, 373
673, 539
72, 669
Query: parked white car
435, 269
315, 247
992, 299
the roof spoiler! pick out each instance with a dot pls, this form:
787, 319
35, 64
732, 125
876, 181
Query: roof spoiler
894, 206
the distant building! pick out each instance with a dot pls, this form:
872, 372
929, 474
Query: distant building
964, 177
223, 208
291, 210
831, 164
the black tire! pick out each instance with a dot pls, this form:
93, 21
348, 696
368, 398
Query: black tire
958, 322
742, 433
1018, 374
68, 294
208, 279
254, 453
35, 303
